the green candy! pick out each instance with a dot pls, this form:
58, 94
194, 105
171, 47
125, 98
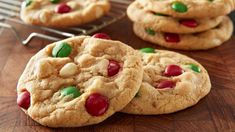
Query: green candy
28, 2
195, 68
54, 1
147, 50
71, 90
160, 14
137, 95
150, 31
61, 50
179, 7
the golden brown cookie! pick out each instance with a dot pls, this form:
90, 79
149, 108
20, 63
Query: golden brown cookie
171, 82
197, 41
189, 8
79, 81
63, 13
162, 23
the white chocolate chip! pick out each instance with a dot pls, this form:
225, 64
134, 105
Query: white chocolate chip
99, 12
184, 88
73, 4
44, 68
166, 61
45, 15
85, 60
68, 70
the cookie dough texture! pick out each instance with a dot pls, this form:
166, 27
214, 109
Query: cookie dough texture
198, 41
42, 12
159, 23
195, 8
190, 86
85, 68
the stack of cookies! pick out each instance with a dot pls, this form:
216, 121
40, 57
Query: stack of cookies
84, 80
182, 24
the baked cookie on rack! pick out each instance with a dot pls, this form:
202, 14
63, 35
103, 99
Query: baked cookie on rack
171, 82
196, 41
164, 23
189, 8
63, 13
79, 81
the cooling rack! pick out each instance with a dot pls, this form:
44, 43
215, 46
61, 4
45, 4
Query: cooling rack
10, 10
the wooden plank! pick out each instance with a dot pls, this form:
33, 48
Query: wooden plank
160, 123
194, 126
117, 123
221, 104
6, 47
8, 113
216, 112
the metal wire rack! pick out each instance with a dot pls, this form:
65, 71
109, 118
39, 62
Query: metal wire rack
10, 10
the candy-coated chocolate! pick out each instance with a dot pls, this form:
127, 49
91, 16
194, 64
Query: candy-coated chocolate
101, 36
62, 49
172, 37
150, 31
189, 23
179, 7
27, 3
55, 1
23, 100
97, 104
71, 90
113, 68
195, 68
147, 50
173, 70
137, 94
160, 14
62, 8
166, 84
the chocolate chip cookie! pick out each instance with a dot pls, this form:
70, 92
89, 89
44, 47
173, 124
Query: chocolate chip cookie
189, 8
164, 23
197, 41
79, 81
171, 82
63, 13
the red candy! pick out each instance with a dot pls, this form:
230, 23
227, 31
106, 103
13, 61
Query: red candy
173, 70
101, 36
172, 37
96, 104
166, 84
62, 8
189, 23
113, 68
23, 100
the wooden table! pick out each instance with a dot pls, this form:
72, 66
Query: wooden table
216, 112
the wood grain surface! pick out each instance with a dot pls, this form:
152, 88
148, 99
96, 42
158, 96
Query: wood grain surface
216, 112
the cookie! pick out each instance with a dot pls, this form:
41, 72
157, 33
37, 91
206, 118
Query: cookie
163, 23
197, 41
171, 82
79, 81
63, 13
189, 8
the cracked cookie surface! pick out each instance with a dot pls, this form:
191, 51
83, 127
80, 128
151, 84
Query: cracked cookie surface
195, 41
171, 82
79, 81
63, 13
